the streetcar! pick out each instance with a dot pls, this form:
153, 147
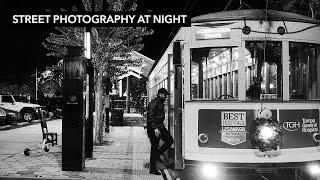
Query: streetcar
228, 71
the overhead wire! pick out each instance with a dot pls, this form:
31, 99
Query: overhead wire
173, 29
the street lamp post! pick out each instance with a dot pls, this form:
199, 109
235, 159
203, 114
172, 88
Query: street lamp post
90, 93
87, 45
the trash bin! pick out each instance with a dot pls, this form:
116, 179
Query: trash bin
117, 117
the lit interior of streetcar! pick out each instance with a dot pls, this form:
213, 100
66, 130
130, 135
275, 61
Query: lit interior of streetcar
214, 71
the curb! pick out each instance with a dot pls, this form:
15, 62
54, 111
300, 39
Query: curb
37, 178
22, 124
8, 127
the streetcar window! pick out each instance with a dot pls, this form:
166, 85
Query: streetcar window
214, 73
304, 73
263, 66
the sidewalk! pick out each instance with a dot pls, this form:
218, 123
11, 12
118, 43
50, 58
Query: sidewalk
123, 156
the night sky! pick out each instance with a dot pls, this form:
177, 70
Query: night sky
23, 52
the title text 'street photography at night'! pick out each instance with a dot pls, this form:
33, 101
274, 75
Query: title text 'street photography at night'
160, 90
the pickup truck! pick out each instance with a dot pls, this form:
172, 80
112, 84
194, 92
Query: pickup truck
3, 117
27, 111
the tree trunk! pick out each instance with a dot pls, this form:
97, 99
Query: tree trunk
312, 11
98, 122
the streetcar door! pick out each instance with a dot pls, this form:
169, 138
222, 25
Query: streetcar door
177, 87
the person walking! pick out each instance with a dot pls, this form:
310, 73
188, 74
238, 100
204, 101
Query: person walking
156, 129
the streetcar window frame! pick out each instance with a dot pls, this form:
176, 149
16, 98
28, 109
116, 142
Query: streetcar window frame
203, 91
304, 71
263, 71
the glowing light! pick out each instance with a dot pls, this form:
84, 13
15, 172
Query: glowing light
87, 40
224, 60
314, 169
217, 60
209, 171
266, 133
214, 65
271, 86
236, 55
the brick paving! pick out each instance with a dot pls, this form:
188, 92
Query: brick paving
124, 155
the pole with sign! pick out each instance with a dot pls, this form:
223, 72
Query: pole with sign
74, 108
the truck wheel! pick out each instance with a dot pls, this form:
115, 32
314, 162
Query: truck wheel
27, 116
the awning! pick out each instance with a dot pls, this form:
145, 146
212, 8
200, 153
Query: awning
138, 71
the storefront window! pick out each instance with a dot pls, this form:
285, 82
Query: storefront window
263, 66
214, 73
304, 75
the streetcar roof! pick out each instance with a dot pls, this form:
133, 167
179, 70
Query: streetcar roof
253, 14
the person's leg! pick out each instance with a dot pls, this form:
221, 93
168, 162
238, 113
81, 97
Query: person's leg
154, 154
167, 138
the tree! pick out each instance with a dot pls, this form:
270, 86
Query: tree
50, 81
306, 7
16, 89
110, 49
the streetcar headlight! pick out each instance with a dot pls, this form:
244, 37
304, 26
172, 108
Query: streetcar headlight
209, 170
316, 137
314, 169
203, 138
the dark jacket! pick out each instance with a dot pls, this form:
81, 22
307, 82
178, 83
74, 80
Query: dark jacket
155, 114
254, 91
